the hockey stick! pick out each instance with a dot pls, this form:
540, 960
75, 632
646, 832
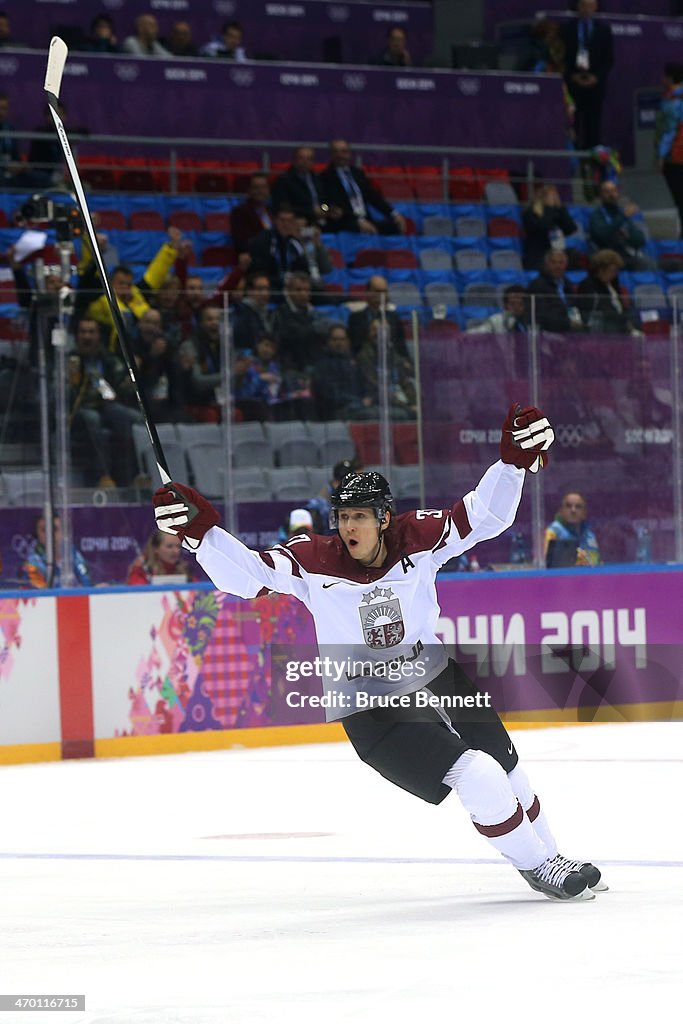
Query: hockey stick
56, 60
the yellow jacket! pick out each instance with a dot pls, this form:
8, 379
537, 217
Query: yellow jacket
155, 275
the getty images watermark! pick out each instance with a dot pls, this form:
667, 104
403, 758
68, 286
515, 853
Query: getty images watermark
346, 678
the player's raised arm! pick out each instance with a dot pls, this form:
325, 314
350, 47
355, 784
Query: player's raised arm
232, 566
491, 507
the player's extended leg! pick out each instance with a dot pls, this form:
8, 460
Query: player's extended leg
531, 805
482, 730
485, 792
419, 752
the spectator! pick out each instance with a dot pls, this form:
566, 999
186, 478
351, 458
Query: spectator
190, 304
277, 251
603, 307
509, 355
554, 306
547, 51
157, 368
260, 385
10, 159
299, 187
349, 195
253, 317
361, 321
402, 395
230, 46
546, 224
297, 324
101, 407
179, 42
132, 299
161, 556
339, 389
35, 569
168, 302
395, 54
251, 217
318, 259
102, 37
611, 227
299, 521
514, 318
200, 365
145, 42
570, 539
588, 60
670, 136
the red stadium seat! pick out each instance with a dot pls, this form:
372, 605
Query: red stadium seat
137, 179
218, 256
405, 443
429, 189
111, 220
503, 227
465, 186
217, 222
101, 179
366, 441
336, 258
401, 259
186, 220
370, 258
212, 181
147, 220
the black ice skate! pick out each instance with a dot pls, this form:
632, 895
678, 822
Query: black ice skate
589, 871
557, 879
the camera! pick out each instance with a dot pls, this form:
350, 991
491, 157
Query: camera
65, 219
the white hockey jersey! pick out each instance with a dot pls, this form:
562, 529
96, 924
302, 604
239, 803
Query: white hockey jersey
375, 627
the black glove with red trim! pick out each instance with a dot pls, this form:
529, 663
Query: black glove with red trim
183, 512
527, 435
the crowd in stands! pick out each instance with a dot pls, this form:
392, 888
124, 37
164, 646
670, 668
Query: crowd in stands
314, 266
227, 43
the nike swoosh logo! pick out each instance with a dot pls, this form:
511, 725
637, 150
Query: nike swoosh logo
510, 748
327, 585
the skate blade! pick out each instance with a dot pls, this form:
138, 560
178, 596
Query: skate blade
582, 897
600, 887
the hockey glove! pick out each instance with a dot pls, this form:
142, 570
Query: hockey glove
527, 435
183, 512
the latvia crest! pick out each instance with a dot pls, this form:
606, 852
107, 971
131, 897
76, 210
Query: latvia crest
381, 618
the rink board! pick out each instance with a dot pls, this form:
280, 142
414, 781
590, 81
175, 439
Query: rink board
156, 670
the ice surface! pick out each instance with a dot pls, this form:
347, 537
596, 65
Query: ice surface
295, 885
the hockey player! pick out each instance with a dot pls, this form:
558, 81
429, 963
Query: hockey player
371, 591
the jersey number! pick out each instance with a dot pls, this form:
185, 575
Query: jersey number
424, 513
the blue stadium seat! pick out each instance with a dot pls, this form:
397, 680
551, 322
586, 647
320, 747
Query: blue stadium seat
503, 210
503, 242
138, 246
211, 276
148, 201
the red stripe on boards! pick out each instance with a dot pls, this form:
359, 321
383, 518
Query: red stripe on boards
75, 676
